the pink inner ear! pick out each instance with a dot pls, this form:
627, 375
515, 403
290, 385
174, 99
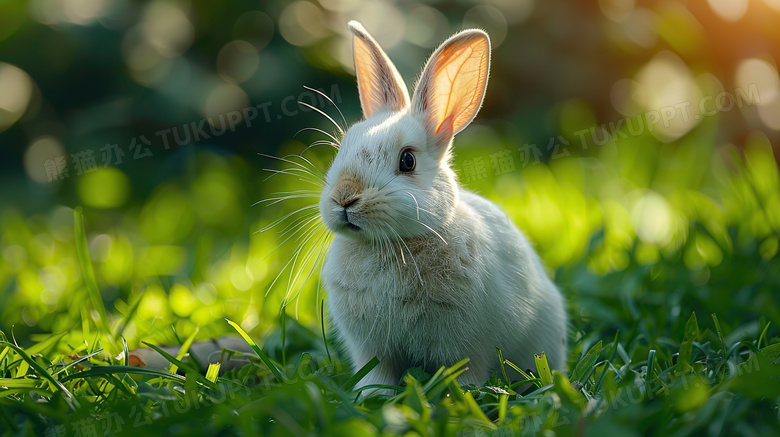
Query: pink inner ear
380, 85
444, 132
452, 86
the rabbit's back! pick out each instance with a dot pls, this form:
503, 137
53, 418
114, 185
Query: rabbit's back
525, 299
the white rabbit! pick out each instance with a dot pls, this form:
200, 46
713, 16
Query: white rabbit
422, 272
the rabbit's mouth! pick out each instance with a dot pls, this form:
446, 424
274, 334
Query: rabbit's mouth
352, 226
347, 222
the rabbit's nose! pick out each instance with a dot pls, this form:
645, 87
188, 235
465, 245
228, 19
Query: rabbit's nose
346, 191
347, 202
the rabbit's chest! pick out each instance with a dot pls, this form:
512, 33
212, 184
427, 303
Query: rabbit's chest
407, 307
412, 273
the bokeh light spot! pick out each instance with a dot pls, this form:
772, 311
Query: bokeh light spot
182, 301
760, 74
375, 16
774, 4
652, 218
668, 93
166, 27
729, 10
16, 88
340, 5
167, 216
490, 19
641, 27
104, 188
221, 100
758, 84
514, 11
237, 61
617, 10
426, 26
44, 152
241, 277
83, 11
255, 27
302, 23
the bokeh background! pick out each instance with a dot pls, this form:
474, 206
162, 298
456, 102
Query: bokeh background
150, 116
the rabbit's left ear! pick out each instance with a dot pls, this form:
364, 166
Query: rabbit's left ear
452, 86
380, 86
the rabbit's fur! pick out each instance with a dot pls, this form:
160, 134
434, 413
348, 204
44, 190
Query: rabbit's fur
422, 272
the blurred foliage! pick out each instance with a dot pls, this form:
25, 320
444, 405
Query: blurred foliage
157, 110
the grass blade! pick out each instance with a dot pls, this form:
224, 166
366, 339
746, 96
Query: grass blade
213, 372
184, 348
650, 367
119, 370
175, 361
686, 347
87, 271
586, 364
302, 364
283, 317
322, 325
127, 352
762, 337
271, 366
74, 404
611, 359
18, 382
528, 378
720, 333
189, 369
77, 361
436, 390
503, 370
543, 367
351, 382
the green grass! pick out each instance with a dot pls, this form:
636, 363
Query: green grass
687, 376
674, 331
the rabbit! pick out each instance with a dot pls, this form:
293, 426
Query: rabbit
421, 272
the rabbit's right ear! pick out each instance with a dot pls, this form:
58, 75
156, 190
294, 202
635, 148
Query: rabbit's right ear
380, 86
452, 86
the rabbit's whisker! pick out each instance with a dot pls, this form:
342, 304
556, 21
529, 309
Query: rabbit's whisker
275, 200
320, 131
308, 234
312, 167
300, 223
292, 172
321, 286
428, 227
298, 166
279, 220
321, 143
341, 131
310, 252
296, 225
417, 205
411, 255
387, 241
331, 102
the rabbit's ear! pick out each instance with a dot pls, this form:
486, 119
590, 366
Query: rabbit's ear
379, 84
452, 86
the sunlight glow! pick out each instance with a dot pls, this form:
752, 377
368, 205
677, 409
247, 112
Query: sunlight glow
667, 91
729, 10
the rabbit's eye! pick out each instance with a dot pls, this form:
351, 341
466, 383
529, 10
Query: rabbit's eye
407, 161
